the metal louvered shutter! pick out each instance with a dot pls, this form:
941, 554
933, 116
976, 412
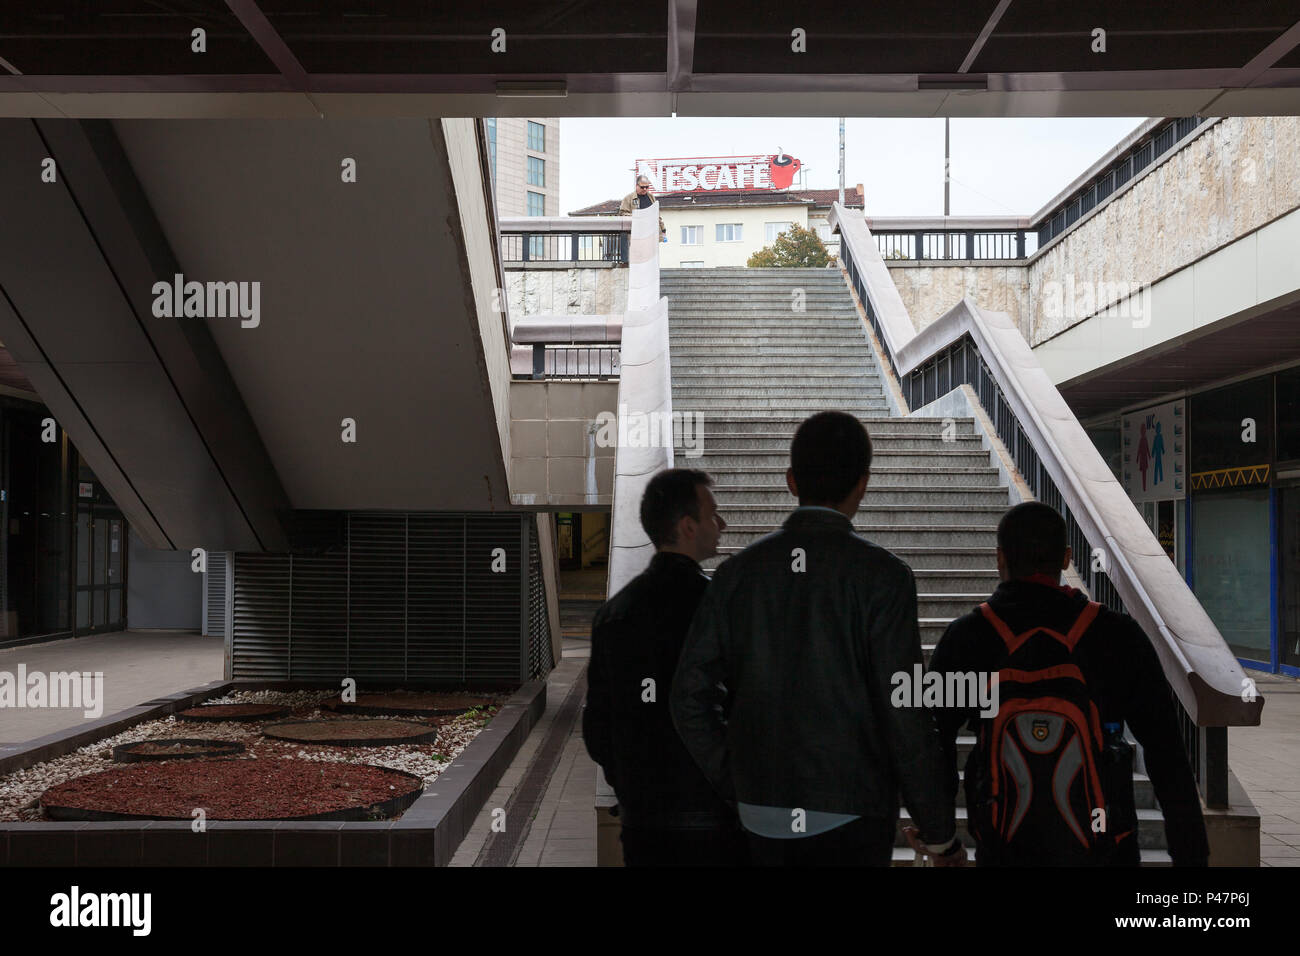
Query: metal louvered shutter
215, 593
496, 602
412, 596
539, 622
263, 604
376, 590
318, 628
435, 608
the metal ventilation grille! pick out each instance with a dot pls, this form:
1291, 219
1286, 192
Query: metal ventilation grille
496, 602
319, 632
539, 623
262, 607
437, 638
413, 596
376, 612
214, 595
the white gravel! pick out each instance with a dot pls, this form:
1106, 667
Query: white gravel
20, 790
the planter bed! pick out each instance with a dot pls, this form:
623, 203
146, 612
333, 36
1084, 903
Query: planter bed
175, 748
409, 703
248, 789
466, 758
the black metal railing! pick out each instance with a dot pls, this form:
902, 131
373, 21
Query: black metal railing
960, 363
564, 247
1124, 168
895, 244
598, 362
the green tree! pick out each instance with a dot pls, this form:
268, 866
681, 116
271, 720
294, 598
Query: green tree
797, 248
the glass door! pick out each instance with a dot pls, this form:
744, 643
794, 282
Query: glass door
1288, 559
100, 568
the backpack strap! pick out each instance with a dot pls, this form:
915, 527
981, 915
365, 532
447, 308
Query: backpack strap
1081, 624
1013, 641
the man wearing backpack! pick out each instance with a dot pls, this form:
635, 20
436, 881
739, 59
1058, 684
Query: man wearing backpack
1049, 781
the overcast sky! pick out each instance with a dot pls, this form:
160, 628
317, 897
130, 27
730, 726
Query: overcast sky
1000, 167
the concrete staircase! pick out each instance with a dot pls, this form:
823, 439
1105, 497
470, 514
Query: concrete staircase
756, 367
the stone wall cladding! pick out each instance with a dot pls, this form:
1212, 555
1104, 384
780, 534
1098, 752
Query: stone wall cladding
930, 291
1240, 174
566, 291
1236, 176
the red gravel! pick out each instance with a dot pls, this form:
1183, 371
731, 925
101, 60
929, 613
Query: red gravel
411, 703
230, 789
347, 731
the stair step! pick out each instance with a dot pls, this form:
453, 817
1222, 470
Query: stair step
969, 479
740, 534
785, 426
933, 458
875, 498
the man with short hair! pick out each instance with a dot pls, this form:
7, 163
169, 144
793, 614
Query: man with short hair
1122, 675
641, 197
671, 814
805, 629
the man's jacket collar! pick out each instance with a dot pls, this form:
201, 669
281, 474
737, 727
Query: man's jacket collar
812, 518
673, 562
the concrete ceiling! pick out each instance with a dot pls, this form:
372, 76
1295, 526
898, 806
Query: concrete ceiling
337, 58
364, 310
1229, 349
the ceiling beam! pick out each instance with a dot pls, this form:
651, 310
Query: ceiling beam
1267, 57
681, 43
272, 44
984, 36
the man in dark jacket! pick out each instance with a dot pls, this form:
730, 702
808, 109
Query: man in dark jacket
671, 814
1118, 665
805, 629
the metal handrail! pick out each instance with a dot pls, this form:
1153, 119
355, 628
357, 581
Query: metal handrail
970, 346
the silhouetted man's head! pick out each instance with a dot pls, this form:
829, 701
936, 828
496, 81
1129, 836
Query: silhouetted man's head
1031, 540
679, 513
829, 461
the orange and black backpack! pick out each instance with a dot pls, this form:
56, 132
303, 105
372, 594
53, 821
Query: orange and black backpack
1034, 778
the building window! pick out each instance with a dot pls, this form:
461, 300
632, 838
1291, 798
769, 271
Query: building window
693, 264
536, 171
491, 125
536, 204
824, 231
692, 236
536, 137
772, 229
729, 232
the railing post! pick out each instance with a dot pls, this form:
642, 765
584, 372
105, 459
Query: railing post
539, 360
919, 238
1213, 745
525, 240
1020, 244
574, 250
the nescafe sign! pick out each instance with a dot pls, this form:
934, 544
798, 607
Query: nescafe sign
720, 173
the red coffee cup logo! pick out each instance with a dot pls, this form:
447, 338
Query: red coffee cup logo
782, 169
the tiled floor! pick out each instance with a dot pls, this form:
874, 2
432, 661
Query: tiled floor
1266, 759
563, 832
137, 666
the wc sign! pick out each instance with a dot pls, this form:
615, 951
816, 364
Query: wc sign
720, 173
